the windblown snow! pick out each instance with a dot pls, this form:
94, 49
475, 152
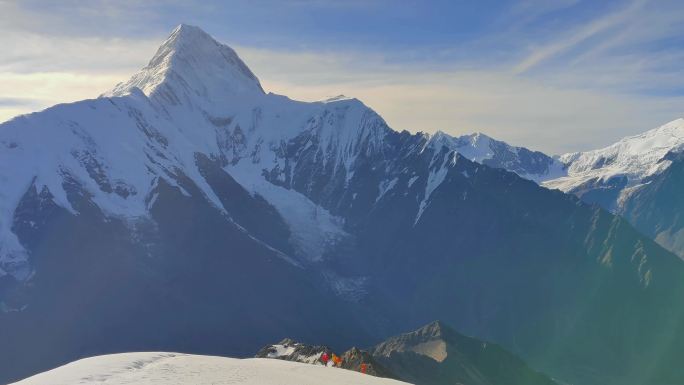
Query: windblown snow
183, 369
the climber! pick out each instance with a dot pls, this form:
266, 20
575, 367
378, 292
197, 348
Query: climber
325, 358
364, 368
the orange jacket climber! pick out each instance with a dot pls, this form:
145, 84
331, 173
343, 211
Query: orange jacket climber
364, 368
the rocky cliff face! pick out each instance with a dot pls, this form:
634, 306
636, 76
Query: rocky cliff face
436, 354
352, 359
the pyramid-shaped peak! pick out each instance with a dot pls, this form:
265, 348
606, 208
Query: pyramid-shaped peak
433, 330
191, 63
430, 340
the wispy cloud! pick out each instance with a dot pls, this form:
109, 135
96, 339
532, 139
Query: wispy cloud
595, 27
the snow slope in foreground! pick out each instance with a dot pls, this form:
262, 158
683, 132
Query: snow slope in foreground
180, 369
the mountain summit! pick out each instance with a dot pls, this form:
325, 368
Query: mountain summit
190, 63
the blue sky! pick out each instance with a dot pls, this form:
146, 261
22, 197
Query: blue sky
553, 75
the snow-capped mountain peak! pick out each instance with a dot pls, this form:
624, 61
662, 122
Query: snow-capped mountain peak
195, 97
481, 148
475, 147
192, 63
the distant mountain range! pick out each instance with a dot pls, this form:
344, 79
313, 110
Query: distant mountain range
188, 210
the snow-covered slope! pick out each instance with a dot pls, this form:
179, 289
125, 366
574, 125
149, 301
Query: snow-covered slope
183, 369
621, 166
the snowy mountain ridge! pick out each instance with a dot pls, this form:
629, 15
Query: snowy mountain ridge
623, 165
481, 148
